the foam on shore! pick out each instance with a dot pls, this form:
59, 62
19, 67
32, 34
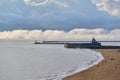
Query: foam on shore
77, 69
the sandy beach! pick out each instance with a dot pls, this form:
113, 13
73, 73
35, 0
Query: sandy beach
108, 69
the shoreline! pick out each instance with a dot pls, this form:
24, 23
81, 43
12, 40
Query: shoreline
108, 69
77, 69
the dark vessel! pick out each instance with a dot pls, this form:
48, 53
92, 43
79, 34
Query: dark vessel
92, 45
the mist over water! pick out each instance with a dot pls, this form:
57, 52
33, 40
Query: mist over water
23, 60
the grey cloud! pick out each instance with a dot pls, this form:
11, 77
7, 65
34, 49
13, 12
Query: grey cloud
110, 6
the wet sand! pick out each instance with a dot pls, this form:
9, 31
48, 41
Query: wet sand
108, 69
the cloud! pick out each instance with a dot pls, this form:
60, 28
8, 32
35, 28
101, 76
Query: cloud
75, 34
33, 3
110, 6
61, 3
45, 2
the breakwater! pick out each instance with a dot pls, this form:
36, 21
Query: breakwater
64, 42
73, 45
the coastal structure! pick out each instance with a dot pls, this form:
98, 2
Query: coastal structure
81, 44
71, 42
49, 42
92, 45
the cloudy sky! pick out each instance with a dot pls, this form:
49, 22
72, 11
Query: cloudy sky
59, 14
74, 16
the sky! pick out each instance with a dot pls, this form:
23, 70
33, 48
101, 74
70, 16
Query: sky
61, 15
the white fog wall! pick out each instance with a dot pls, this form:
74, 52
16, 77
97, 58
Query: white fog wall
75, 34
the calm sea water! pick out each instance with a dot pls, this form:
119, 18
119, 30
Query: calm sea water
23, 60
111, 43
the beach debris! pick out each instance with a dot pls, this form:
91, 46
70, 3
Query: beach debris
119, 50
105, 61
115, 67
97, 65
112, 59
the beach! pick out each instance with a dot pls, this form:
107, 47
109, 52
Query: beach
108, 69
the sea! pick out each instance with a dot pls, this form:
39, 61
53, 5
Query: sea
23, 60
